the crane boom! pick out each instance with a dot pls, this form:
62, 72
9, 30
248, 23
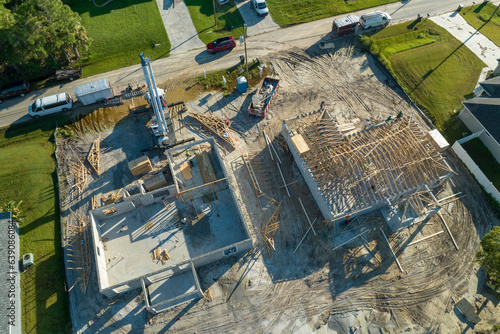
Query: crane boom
155, 101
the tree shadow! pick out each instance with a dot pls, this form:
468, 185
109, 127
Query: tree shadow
93, 10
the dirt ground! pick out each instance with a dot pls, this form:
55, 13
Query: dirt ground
357, 288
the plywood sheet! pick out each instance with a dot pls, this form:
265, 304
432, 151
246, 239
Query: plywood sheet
468, 310
300, 144
185, 170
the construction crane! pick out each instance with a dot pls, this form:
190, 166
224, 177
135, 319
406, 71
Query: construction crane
157, 102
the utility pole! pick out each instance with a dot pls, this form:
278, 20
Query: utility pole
246, 57
215, 16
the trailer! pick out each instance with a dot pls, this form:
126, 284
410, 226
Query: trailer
95, 91
70, 73
345, 25
263, 97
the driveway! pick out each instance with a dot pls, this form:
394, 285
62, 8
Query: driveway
180, 28
456, 25
256, 24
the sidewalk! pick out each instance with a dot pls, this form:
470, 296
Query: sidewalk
456, 25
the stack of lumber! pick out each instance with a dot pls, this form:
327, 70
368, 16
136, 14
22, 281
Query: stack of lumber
155, 182
140, 166
163, 256
300, 144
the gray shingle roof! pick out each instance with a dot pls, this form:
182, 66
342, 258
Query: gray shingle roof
487, 111
492, 86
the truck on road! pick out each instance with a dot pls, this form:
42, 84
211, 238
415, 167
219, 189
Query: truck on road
374, 19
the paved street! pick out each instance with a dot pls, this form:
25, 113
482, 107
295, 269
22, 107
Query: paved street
193, 62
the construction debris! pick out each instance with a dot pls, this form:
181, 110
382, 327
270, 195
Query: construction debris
161, 255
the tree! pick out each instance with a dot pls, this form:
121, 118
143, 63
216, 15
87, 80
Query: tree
489, 255
6, 17
41, 29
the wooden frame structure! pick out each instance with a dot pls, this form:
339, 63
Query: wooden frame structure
215, 125
79, 173
78, 250
387, 161
268, 228
94, 156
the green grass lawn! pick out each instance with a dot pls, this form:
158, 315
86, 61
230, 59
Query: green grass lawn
484, 159
229, 20
433, 67
286, 12
119, 32
481, 17
28, 174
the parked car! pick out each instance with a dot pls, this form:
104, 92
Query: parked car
50, 104
260, 7
221, 44
14, 89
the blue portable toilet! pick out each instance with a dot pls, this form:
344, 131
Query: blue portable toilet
241, 84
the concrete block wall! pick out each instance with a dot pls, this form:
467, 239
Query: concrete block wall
219, 253
100, 260
320, 200
121, 207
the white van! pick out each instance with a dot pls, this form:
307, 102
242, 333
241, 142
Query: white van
374, 19
50, 104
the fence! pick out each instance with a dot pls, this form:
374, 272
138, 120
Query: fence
475, 170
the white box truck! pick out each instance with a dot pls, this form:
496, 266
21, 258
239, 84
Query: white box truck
95, 91
374, 19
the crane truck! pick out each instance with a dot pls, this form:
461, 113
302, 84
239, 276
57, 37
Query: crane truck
157, 102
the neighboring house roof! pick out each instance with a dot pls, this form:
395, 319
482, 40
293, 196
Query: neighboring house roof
487, 112
492, 86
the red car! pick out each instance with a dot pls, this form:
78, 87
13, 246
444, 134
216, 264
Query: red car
221, 44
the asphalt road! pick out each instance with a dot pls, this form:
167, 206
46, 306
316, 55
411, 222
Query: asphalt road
194, 62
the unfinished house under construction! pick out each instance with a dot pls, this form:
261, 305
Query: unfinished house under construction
155, 239
389, 165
